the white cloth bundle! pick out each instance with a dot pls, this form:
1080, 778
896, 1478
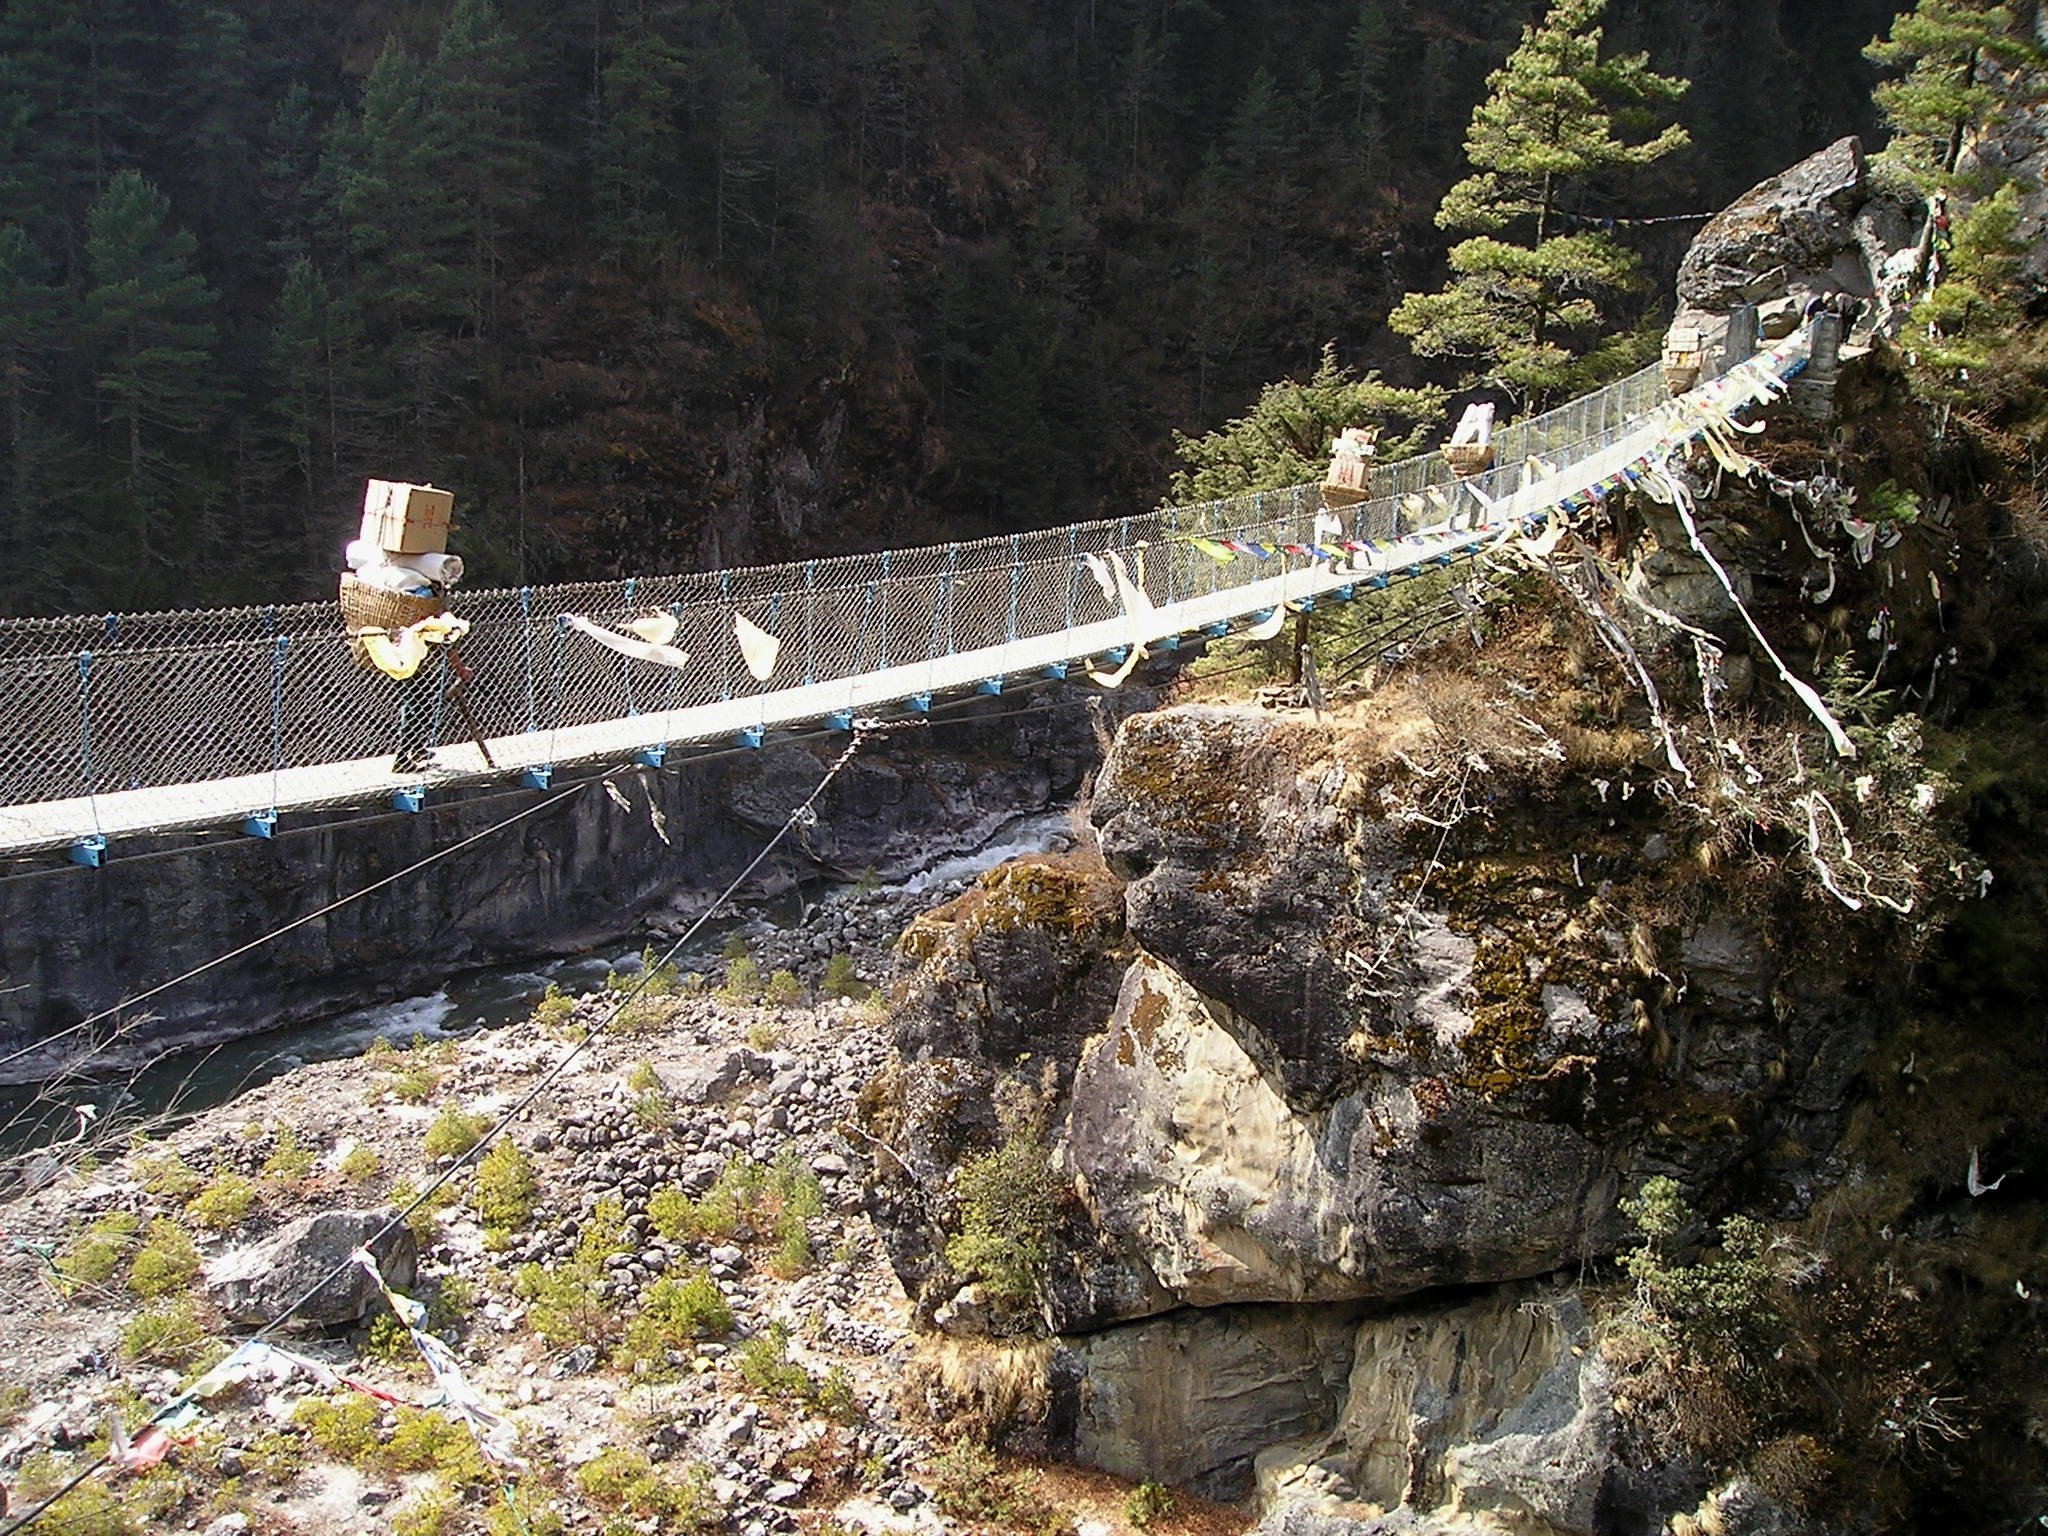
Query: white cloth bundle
364, 558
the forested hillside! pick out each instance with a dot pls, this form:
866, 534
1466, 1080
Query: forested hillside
660, 283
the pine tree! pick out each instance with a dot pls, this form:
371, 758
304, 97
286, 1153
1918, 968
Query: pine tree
309, 408
33, 450
1557, 114
1284, 439
639, 148
486, 157
1966, 64
408, 287
149, 317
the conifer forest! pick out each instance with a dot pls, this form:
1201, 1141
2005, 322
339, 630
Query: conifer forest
662, 284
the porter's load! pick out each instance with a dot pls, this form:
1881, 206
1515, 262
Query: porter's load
1470, 449
1684, 351
403, 519
1350, 464
399, 569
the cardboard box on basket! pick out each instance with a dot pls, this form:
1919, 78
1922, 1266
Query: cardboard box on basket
407, 519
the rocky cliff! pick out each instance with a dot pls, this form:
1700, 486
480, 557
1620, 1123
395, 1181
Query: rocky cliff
581, 869
1310, 1114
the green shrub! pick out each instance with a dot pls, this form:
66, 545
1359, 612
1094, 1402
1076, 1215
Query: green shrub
166, 1333
504, 1192
1718, 1308
344, 1426
426, 1441
516, 1514
766, 1367
841, 979
427, 1511
425, 1222
554, 1009
93, 1508
625, 1481
564, 1305
389, 1341
1009, 1200
92, 1257
224, 1203
968, 1483
167, 1261
835, 1396
167, 1175
793, 1255
675, 1313
288, 1163
1147, 1503
360, 1166
454, 1132
784, 990
742, 981
673, 1213
415, 1083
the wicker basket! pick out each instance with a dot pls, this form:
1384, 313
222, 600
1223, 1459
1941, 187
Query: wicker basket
367, 607
1336, 496
1468, 458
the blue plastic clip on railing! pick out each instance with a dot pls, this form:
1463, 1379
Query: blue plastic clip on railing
752, 736
840, 719
991, 685
91, 851
1057, 672
263, 824
1115, 655
539, 776
409, 799
1345, 593
652, 757
920, 702
1167, 643
1217, 631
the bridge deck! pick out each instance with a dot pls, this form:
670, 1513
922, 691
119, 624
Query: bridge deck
230, 799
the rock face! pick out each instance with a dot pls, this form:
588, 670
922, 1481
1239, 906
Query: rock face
1823, 227
1496, 1408
1310, 1066
580, 872
256, 1284
1180, 1400
1366, 1025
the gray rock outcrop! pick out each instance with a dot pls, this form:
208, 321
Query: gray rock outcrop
255, 1284
1330, 1056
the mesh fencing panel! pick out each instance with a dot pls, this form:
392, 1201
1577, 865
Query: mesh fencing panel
132, 701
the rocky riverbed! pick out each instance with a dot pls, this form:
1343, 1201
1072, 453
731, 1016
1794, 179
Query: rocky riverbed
704, 1139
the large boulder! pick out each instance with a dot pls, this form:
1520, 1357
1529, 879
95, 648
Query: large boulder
1332, 1053
257, 1283
1799, 223
1826, 226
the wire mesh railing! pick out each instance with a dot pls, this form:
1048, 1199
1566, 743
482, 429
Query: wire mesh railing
143, 701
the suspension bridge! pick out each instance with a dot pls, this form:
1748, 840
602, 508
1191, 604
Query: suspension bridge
129, 725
